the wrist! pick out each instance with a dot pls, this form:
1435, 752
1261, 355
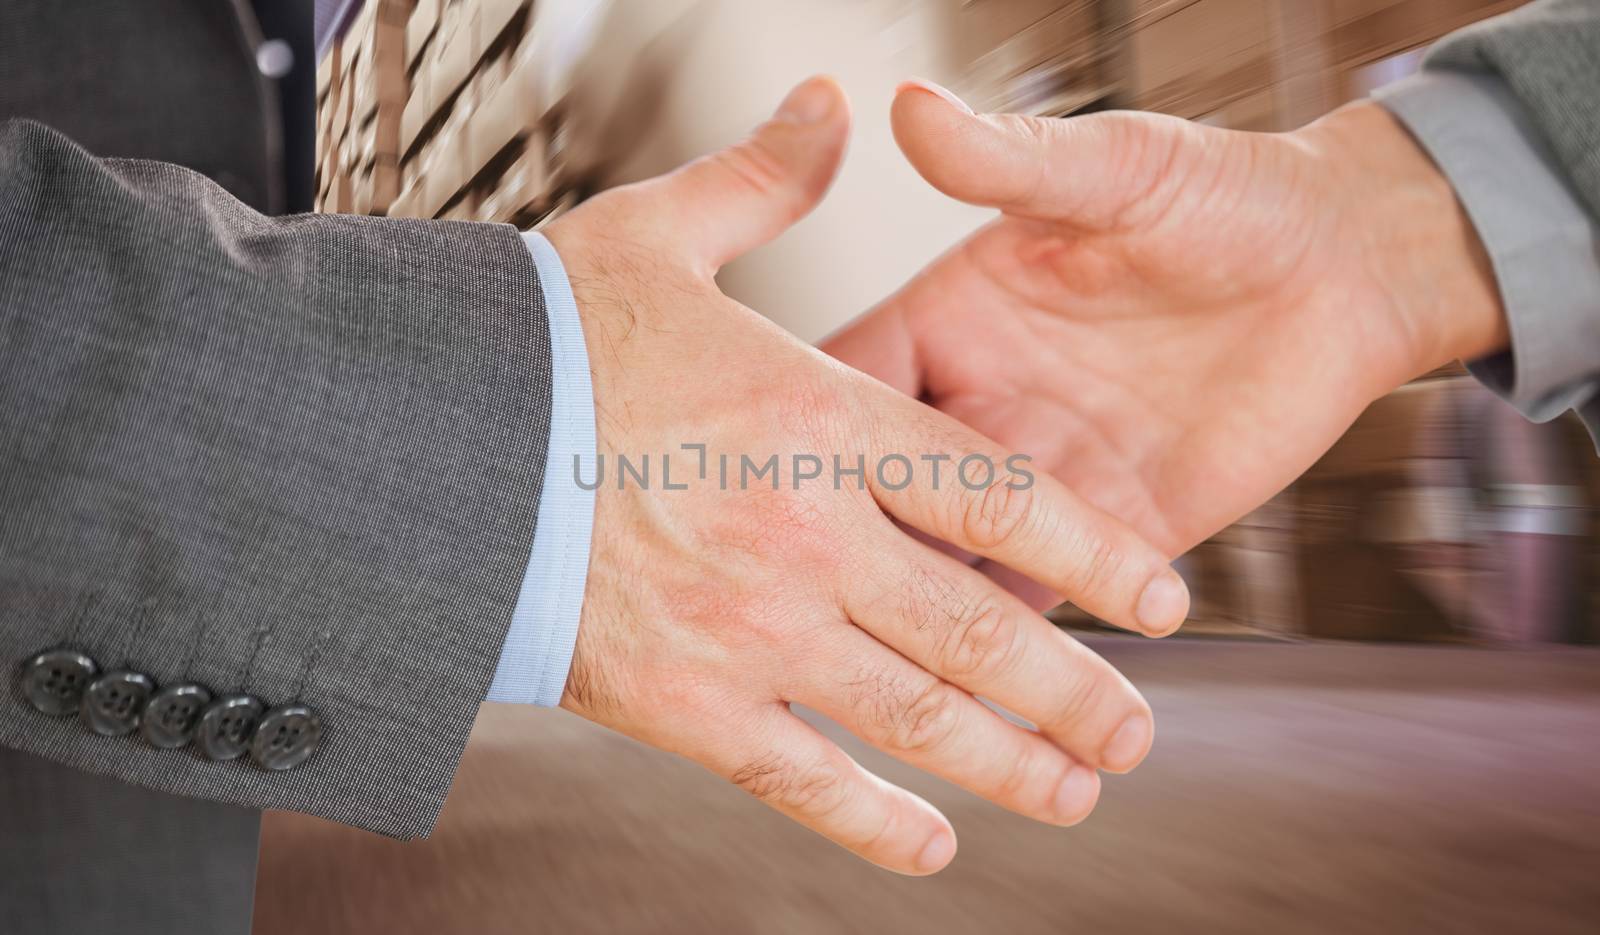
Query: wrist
1415, 239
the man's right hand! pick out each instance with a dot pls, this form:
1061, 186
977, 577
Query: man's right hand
1175, 319
710, 609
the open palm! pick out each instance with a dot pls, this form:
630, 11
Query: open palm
1175, 320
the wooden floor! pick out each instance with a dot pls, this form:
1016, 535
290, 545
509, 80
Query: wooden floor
1294, 788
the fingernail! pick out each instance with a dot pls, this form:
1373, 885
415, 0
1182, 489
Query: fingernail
936, 853
936, 89
1077, 794
811, 102
1128, 745
1164, 604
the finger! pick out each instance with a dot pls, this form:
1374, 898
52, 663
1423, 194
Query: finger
914, 716
787, 764
955, 623
995, 505
737, 199
1087, 170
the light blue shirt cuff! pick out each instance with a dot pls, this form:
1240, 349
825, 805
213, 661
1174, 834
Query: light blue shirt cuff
1542, 242
544, 626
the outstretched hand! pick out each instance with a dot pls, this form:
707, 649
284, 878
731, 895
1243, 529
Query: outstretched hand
1175, 320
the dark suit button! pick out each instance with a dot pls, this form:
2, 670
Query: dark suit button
172, 715
286, 738
54, 681
227, 724
113, 702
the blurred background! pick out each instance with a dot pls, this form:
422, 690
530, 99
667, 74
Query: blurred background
1381, 716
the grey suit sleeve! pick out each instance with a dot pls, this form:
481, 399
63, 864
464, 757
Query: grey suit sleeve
1510, 111
294, 457
1548, 54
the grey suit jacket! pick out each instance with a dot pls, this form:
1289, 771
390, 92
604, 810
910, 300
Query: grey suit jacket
298, 457
294, 457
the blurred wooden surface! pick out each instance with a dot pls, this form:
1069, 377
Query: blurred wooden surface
1293, 788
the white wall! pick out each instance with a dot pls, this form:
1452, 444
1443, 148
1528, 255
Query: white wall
726, 73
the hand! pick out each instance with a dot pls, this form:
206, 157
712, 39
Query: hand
710, 609
1175, 320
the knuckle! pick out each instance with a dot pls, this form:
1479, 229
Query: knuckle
816, 793
1095, 565
755, 165
930, 601
1082, 696
1039, 131
981, 641
1019, 779
927, 721
1034, 135
1035, 775
906, 717
765, 778
1152, 156
783, 784
883, 835
998, 516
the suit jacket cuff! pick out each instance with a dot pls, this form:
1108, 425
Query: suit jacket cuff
1540, 239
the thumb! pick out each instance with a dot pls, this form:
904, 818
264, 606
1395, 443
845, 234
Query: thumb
1085, 170
735, 200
